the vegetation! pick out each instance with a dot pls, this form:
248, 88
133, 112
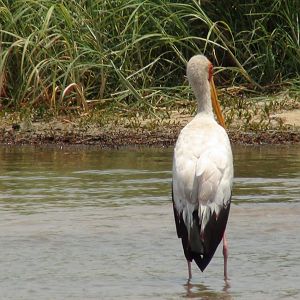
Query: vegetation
59, 55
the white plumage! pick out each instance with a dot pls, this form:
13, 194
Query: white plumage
202, 174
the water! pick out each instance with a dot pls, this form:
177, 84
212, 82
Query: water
82, 223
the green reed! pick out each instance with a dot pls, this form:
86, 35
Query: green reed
77, 54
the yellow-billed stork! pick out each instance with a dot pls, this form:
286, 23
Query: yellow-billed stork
202, 173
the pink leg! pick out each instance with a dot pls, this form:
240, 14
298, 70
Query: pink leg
225, 254
190, 270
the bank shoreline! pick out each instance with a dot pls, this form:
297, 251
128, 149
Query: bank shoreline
163, 136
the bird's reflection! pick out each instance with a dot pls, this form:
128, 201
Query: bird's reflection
201, 291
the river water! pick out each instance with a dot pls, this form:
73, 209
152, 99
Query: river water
84, 223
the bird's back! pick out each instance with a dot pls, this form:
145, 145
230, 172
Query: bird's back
202, 181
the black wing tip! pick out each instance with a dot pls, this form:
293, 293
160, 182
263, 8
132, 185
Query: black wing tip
215, 229
202, 262
177, 218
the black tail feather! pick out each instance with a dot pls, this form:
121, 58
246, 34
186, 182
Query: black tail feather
213, 234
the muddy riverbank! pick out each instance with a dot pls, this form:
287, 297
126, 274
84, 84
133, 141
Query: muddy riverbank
63, 131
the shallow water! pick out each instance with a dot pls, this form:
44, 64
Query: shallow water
82, 223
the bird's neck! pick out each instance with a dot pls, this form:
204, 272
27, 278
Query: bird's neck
203, 97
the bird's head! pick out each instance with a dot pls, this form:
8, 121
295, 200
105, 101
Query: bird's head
199, 69
200, 73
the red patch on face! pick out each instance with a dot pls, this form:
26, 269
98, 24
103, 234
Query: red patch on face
210, 71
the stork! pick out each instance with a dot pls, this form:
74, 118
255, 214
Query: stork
202, 173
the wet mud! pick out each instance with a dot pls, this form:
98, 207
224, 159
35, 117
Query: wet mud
115, 137
118, 137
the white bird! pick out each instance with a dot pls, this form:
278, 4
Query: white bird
202, 173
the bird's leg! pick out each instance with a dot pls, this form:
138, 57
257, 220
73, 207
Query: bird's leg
189, 270
225, 254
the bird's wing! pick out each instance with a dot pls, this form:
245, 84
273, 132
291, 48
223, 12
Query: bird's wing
212, 184
202, 171
202, 183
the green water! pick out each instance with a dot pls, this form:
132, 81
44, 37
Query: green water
83, 223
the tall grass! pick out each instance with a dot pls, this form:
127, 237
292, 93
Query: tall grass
132, 53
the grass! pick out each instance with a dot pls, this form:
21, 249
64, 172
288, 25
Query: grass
77, 56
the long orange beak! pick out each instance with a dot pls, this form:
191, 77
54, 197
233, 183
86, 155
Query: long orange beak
215, 103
